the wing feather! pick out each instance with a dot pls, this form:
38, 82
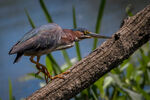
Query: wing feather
44, 37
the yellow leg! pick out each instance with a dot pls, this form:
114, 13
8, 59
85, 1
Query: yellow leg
44, 70
37, 66
60, 75
41, 68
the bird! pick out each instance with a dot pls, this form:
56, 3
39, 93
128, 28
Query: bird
46, 39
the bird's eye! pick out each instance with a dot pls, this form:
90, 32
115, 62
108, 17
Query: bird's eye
86, 32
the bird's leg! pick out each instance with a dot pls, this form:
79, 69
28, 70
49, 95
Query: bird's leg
38, 66
46, 73
43, 69
60, 75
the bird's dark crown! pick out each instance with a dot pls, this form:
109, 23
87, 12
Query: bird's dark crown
84, 30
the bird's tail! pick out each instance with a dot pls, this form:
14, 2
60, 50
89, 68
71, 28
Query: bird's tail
19, 55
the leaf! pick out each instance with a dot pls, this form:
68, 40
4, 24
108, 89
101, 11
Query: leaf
130, 71
146, 95
10, 90
100, 86
144, 60
125, 64
121, 98
148, 73
84, 92
133, 95
94, 94
128, 10
55, 66
116, 79
114, 93
74, 17
36, 76
98, 22
49, 65
107, 81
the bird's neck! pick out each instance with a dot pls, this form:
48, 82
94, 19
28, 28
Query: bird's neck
72, 35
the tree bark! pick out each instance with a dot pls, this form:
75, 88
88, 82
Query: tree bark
132, 35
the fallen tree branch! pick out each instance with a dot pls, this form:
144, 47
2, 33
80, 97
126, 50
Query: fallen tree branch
133, 34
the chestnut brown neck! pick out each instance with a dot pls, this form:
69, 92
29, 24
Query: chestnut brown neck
72, 35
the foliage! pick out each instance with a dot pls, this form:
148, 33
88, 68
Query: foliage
10, 91
131, 80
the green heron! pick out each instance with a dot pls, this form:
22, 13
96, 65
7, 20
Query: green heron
45, 39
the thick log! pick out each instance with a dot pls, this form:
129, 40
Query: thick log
132, 35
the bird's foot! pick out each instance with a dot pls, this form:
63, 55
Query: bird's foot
60, 75
46, 75
41, 68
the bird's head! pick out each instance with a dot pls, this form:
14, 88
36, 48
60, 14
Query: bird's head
83, 33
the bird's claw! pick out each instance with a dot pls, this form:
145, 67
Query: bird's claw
60, 75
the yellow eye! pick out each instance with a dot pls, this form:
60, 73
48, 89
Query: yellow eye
87, 32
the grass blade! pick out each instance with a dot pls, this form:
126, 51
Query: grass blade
99, 19
129, 10
94, 95
35, 76
29, 19
78, 51
10, 90
55, 66
49, 65
132, 94
75, 26
100, 85
48, 16
74, 17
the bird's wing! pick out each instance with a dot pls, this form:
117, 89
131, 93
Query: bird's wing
38, 30
40, 38
29, 35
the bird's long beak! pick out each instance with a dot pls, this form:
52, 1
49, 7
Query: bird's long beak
97, 36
